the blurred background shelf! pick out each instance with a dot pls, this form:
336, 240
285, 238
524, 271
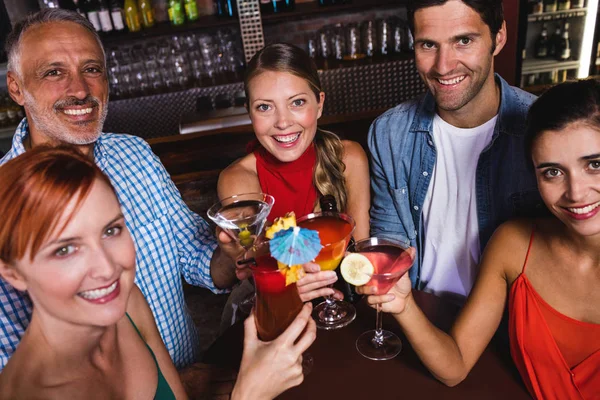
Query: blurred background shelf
210, 22
552, 16
539, 66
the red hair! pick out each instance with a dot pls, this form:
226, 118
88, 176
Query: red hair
35, 189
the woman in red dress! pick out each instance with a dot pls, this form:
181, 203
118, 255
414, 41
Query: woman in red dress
548, 270
292, 159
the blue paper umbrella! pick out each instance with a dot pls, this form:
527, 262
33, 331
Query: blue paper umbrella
295, 245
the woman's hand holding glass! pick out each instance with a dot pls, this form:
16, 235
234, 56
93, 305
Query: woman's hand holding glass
395, 301
279, 362
315, 283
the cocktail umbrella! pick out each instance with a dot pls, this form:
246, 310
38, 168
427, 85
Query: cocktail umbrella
295, 245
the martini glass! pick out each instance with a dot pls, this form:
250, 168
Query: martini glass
243, 218
335, 231
390, 261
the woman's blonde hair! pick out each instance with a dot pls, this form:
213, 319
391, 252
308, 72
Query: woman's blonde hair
329, 170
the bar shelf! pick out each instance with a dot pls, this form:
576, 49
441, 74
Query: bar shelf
555, 15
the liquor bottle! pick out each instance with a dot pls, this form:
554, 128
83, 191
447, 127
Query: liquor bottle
146, 12
132, 16
289, 5
78, 7
116, 13
91, 10
554, 42
66, 5
275, 6
191, 10
541, 44
564, 49
577, 3
226, 8
326, 2
266, 7
104, 16
563, 5
536, 7
48, 4
205, 7
562, 75
550, 5
328, 203
176, 12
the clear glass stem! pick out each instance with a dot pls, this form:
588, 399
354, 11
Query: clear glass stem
330, 301
378, 337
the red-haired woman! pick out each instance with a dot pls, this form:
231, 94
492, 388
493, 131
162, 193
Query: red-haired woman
63, 239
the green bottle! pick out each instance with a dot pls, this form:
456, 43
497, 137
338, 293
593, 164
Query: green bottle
176, 12
132, 16
147, 13
191, 10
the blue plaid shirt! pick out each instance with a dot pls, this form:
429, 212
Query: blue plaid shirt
170, 240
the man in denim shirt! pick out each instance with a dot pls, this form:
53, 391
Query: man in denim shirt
450, 166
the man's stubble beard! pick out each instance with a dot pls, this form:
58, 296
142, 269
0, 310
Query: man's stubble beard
54, 129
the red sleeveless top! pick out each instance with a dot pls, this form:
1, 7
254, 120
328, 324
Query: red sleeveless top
558, 357
290, 183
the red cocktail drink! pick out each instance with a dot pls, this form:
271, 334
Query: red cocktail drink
276, 304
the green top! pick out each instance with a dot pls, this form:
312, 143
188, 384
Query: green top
163, 390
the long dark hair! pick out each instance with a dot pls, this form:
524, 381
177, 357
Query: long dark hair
564, 104
328, 177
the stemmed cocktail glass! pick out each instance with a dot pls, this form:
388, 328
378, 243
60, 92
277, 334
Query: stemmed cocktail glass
335, 231
390, 261
243, 218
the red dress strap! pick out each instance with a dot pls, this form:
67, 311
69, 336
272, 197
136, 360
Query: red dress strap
528, 248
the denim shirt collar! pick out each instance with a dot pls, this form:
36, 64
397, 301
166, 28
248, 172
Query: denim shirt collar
507, 123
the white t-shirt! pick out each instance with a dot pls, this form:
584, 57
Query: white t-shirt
451, 242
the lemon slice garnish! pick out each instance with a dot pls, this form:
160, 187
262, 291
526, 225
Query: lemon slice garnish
356, 269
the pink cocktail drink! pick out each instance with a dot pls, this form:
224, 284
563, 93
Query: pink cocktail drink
389, 263
390, 260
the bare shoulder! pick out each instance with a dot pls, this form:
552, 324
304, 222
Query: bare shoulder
353, 151
241, 167
239, 177
354, 155
508, 246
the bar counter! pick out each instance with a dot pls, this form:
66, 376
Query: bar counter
339, 371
